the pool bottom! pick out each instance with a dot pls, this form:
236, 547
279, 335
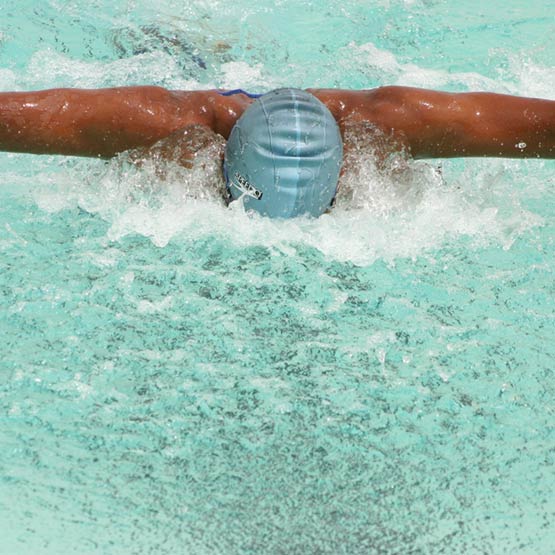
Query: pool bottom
208, 397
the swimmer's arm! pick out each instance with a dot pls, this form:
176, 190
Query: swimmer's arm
180, 147
432, 124
99, 123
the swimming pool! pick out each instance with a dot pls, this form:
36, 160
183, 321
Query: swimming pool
178, 377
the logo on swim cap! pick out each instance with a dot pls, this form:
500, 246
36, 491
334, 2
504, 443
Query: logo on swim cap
245, 187
284, 155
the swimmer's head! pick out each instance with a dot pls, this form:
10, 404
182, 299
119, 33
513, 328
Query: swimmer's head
284, 155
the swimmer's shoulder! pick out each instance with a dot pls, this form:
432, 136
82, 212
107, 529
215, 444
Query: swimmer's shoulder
214, 108
368, 105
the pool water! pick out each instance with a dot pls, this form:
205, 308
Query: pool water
179, 377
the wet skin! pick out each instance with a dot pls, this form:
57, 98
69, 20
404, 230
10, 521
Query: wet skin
425, 123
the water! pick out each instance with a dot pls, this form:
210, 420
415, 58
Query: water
179, 377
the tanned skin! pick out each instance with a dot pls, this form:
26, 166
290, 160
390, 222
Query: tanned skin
425, 123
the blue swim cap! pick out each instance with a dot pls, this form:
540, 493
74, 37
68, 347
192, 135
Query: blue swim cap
284, 155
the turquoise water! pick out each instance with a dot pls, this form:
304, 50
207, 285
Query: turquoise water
179, 377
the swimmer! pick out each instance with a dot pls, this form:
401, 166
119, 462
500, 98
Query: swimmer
284, 149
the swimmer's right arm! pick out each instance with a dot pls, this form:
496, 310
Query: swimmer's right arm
98, 123
435, 124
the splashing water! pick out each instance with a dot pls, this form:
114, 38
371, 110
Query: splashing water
402, 209
179, 376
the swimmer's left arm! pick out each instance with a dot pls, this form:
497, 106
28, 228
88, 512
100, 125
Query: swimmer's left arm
434, 124
99, 123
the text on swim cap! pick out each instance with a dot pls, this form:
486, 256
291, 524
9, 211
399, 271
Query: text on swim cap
245, 187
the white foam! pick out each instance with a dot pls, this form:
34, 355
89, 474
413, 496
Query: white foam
387, 218
7, 80
384, 67
48, 68
240, 75
533, 79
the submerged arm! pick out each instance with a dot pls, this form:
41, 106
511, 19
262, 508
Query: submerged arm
432, 124
99, 123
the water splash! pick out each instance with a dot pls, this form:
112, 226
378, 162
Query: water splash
401, 209
383, 66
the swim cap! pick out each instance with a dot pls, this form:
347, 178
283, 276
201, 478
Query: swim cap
284, 155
